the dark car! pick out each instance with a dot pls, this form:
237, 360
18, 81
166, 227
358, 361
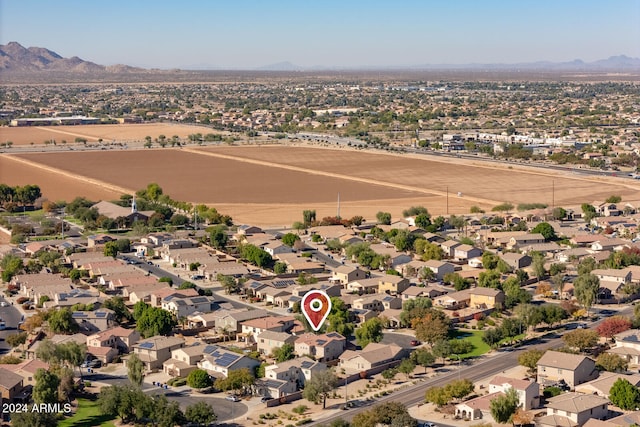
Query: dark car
415, 342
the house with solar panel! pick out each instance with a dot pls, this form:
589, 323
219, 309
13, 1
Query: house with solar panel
154, 351
218, 361
182, 307
323, 347
270, 340
288, 377
183, 360
233, 320
94, 321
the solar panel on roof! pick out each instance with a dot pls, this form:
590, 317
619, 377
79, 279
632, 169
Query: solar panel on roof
322, 342
306, 365
146, 345
100, 314
79, 314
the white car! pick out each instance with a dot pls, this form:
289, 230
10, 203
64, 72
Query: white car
3, 304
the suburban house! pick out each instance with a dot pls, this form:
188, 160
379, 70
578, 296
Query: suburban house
440, 268
182, 307
516, 260
296, 372
269, 340
119, 338
573, 369
377, 302
370, 357
27, 370
93, 321
393, 285
517, 242
628, 346
10, 384
364, 286
156, 350
574, 409
219, 361
255, 327
233, 320
413, 292
183, 360
449, 247
475, 409
480, 298
611, 280
602, 385
528, 391
465, 252
323, 347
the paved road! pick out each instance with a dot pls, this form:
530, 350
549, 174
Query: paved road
475, 371
11, 316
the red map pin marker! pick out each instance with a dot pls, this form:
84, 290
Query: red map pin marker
316, 306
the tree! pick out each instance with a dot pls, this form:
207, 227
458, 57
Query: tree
588, 212
166, 413
46, 388
613, 326
284, 353
613, 199
152, 321
529, 359
279, 267
624, 395
383, 218
546, 230
581, 338
200, 413
320, 386
559, 213
538, 265
585, 289
289, 239
308, 217
407, 367
369, 331
218, 237
611, 363
503, 407
121, 311
110, 249
135, 370
492, 337
62, 322
10, 266
438, 396
432, 327
504, 207
229, 283
423, 357
441, 349
15, 340
238, 380
198, 379
33, 419
389, 374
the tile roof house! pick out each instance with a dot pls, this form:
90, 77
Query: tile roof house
269, 340
440, 268
119, 338
602, 385
182, 307
528, 391
94, 321
475, 409
573, 369
156, 350
373, 355
10, 384
296, 371
27, 370
575, 408
323, 347
183, 360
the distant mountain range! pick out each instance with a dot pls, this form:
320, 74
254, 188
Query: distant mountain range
15, 58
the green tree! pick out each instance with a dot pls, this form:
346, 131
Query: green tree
238, 380
308, 217
61, 321
290, 239
280, 267
33, 419
369, 331
585, 289
581, 338
559, 213
438, 396
15, 340
318, 388
154, 321
10, 266
546, 230
135, 370
45, 389
284, 353
613, 199
167, 413
588, 212
121, 311
441, 349
504, 207
611, 363
407, 366
624, 395
383, 218
529, 359
200, 413
492, 337
218, 237
424, 358
503, 407
110, 249
198, 379
432, 327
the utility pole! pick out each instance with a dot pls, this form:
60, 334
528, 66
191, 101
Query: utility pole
447, 200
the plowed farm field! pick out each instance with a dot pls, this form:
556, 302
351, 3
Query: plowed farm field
271, 185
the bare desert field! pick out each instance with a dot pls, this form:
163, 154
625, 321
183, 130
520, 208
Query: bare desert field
108, 133
271, 185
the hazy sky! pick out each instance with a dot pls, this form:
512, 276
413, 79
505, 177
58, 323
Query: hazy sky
338, 33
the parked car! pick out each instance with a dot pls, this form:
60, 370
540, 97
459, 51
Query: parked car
233, 398
3, 304
265, 398
415, 342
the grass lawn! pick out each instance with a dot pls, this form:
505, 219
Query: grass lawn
475, 337
87, 415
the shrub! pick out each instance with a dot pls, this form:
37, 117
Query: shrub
552, 392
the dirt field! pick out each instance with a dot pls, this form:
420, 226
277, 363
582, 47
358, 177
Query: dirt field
108, 133
271, 185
